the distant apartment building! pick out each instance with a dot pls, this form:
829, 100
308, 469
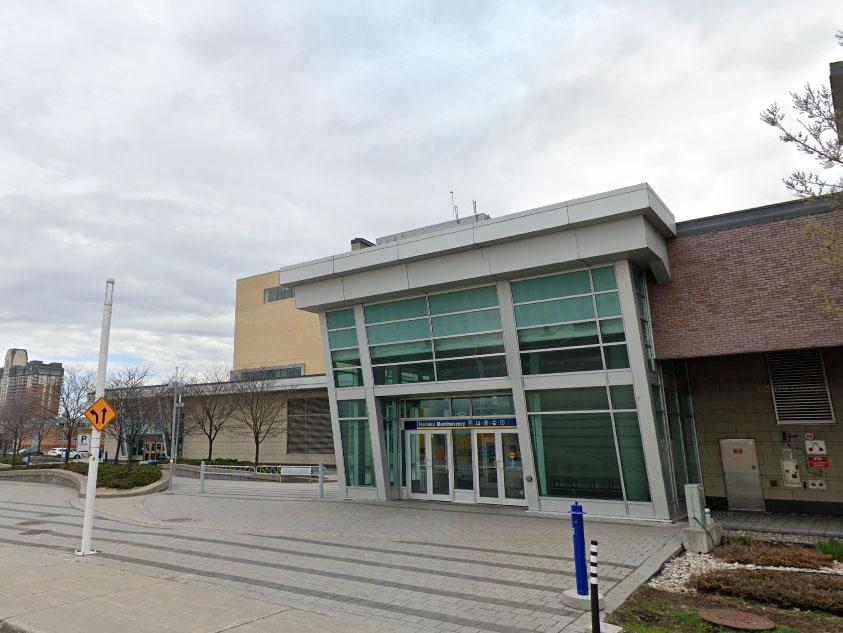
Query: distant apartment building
21, 377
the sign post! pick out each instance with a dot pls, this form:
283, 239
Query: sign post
97, 415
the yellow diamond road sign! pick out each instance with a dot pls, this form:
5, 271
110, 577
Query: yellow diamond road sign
100, 414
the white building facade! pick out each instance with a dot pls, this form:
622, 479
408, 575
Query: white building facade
504, 360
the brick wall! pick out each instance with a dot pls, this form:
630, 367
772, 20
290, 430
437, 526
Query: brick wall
732, 400
746, 289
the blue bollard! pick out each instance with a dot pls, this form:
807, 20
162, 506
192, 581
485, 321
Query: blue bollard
578, 528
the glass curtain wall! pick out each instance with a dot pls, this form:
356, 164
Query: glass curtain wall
639, 284
587, 443
356, 443
437, 337
345, 353
680, 424
394, 440
570, 322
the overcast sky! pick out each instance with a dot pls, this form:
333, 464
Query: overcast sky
177, 146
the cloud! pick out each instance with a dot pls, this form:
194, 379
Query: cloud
177, 146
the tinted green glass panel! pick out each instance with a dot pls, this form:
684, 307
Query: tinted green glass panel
463, 470
351, 409
573, 399
623, 397
342, 338
427, 408
604, 278
401, 352
616, 357
394, 332
348, 378
561, 361
485, 297
566, 335
345, 358
467, 322
472, 345
608, 305
612, 331
575, 456
632, 457
395, 310
461, 407
550, 287
575, 309
476, 367
639, 280
340, 318
403, 374
357, 453
492, 405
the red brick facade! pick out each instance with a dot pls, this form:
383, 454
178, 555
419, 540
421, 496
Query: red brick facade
747, 289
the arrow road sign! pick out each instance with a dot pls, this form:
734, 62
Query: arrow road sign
100, 414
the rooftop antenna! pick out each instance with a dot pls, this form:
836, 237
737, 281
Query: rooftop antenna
454, 208
474, 204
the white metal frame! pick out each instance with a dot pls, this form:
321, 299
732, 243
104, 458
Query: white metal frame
501, 499
428, 464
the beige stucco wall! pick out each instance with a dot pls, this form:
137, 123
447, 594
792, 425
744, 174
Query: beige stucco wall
732, 400
272, 334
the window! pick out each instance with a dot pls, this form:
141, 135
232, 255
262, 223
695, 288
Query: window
570, 322
345, 354
309, 426
438, 337
681, 430
268, 373
278, 293
639, 284
800, 387
460, 407
356, 443
587, 443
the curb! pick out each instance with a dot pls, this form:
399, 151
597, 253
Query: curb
69, 479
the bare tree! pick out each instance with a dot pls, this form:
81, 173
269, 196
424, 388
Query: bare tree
259, 406
814, 135
210, 405
135, 413
817, 135
74, 398
17, 416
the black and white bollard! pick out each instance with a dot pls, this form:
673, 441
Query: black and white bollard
321, 480
202, 476
595, 598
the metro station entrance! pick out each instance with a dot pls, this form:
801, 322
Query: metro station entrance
451, 464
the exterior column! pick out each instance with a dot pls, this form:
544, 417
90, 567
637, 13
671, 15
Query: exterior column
376, 430
519, 399
641, 384
332, 403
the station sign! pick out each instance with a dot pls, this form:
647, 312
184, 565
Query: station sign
477, 423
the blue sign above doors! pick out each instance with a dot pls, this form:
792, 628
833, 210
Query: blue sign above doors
478, 423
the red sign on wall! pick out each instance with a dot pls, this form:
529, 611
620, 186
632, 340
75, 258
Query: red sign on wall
818, 461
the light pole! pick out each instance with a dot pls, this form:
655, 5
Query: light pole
177, 404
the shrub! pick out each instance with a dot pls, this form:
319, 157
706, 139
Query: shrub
831, 547
771, 554
789, 589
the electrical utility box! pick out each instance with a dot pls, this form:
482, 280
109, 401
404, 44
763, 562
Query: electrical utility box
790, 471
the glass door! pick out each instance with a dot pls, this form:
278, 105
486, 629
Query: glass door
499, 474
486, 459
429, 469
417, 464
440, 467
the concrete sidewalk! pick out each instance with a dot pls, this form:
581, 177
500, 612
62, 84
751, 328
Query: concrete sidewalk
51, 590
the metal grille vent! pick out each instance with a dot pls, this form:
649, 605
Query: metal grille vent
800, 389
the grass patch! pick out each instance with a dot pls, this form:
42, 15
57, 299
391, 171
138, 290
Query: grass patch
650, 610
788, 589
773, 554
831, 547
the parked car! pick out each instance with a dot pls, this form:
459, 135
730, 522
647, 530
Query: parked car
59, 452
